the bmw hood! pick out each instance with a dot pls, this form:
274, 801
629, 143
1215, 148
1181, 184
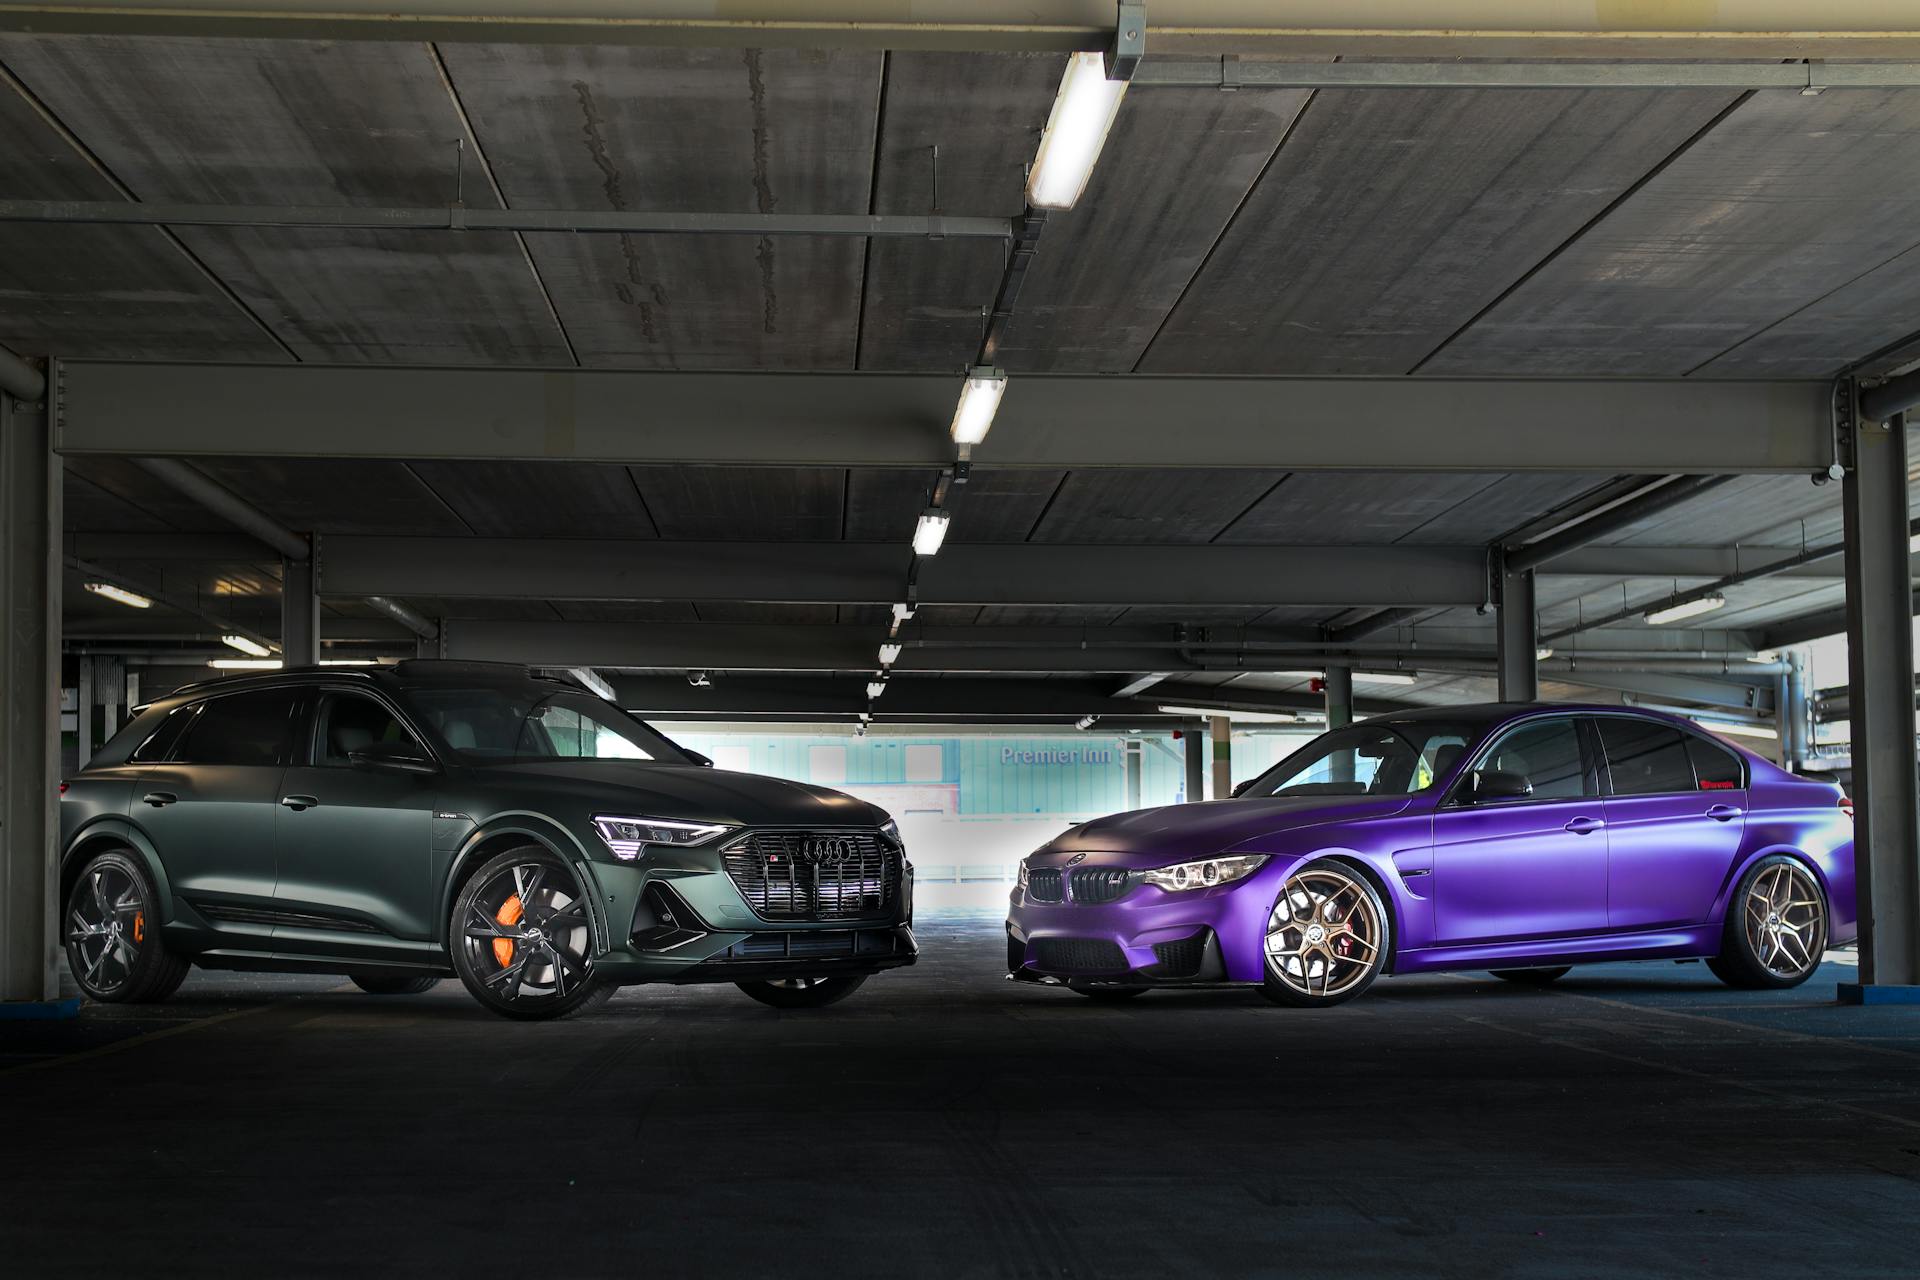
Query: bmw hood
1154, 837
695, 792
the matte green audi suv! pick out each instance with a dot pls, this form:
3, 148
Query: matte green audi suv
400, 824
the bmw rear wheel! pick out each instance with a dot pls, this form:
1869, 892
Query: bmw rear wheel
522, 938
112, 933
1326, 937
1776, 927
803, 993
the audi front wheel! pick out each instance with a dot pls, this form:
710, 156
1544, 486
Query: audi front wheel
522, 938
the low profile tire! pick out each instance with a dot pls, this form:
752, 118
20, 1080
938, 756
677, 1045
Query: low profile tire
112, 932
1776, 927
1094, 991
1326, 937
378, 986
1541, 977
522, 938
803, 993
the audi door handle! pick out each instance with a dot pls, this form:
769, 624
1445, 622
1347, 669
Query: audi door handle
1584, 826
297, 803
159, 799
1723, 812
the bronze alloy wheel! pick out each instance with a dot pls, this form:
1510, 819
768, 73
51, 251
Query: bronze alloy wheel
1326, 937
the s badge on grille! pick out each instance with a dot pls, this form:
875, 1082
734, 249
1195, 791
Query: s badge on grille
1076, 859
825, 851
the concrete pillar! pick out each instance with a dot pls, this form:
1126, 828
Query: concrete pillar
1220, 729
1886, 789
1519, 636
1795, 714
1196, 745
1339, 697
83, 721
30, 577
299, 614
1135, 755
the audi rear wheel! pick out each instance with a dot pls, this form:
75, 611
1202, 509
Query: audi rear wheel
112, 934
522, 938
803, 993
1326, 937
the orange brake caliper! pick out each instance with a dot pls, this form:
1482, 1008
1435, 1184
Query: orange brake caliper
139, 927
509, 914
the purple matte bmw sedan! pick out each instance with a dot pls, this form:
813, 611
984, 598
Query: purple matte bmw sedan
1522, 839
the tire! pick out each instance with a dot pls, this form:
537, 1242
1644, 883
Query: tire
531, 962
1546, 975
378, 985
1320, 906
1096, 992
1777, 922
804, 993
111, 926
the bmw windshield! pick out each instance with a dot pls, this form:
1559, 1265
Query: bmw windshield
1377, 758
495, 725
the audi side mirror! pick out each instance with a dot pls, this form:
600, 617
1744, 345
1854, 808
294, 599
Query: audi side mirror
392, 757
1492, 785
700, 758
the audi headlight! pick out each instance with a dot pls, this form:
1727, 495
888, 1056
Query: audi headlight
629, 837
891, 830
1182, 876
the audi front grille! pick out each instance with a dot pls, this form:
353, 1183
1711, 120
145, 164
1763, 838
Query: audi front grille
814, 875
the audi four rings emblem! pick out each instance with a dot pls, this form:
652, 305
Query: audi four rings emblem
825, 852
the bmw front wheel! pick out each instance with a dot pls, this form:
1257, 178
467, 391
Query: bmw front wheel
112, 932
522, 938
803, 993
1326, 937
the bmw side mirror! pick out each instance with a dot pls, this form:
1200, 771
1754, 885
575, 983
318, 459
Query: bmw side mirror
393, 757
1241, 788
1491, 785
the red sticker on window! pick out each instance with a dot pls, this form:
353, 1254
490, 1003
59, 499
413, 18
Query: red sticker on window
1716, 786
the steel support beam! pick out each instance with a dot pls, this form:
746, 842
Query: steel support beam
30, 581
1214, 73
1796, 713
1518, 624
19, 379
412, 619
1886, 774
1618, 518
193, 483
1339, 695
299, 614
873, 419
459, 218
874, 573
1753, 29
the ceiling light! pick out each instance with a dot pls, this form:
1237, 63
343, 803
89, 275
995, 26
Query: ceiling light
1386, 677
245, 664
246, 645
930, 532
132, 599
979, 401
1083, 111
1296, 675
349, 662
1686, 609
1541, 655
876, 687
889, 653
1085, 722
901, 612
1220, 713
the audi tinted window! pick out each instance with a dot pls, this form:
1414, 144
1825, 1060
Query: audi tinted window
240, 729
350, 721
1644, 758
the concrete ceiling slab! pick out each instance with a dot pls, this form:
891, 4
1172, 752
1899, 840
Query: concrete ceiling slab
1151, 506
306, 122
1502, 506
750, 504
1762, 217
1390, 219
626, 611
1002, 505
326, 495
685, 130
923, 301
1369, 509
882, 503
1174, 171
540, 500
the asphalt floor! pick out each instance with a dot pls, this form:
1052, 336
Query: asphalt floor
1634, 1120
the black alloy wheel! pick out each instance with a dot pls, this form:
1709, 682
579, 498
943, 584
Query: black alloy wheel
522, 938
112, 934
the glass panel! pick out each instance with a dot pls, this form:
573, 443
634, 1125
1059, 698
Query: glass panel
530, 723
241, 729
1376, 758
353, 722
1715, 767
1547, 754
1645, 759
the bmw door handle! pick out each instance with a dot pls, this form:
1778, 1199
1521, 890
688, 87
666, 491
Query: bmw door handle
297, 803
1723, 812
159, 799
1584, 826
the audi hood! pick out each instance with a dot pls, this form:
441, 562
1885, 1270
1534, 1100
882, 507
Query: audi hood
644, 789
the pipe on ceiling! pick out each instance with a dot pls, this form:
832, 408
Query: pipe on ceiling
19, 379
1891, 398
418, 623
228, 505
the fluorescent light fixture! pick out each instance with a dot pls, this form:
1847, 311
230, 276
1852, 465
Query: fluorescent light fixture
1238, 717
1085, 722
1083, 111
1297, 675
979, 401
876, 687
252, 648
889, 654
1541, 655
245, 664
930, 532
1913, 543
902, 611
132, 599
1764, 655
1689, 609
349, 662
1737, 730
1386, 677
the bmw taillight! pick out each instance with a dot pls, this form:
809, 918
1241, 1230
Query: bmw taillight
1846, 807
63, 788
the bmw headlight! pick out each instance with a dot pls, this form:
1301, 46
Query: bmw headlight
1182, 876
629, 837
